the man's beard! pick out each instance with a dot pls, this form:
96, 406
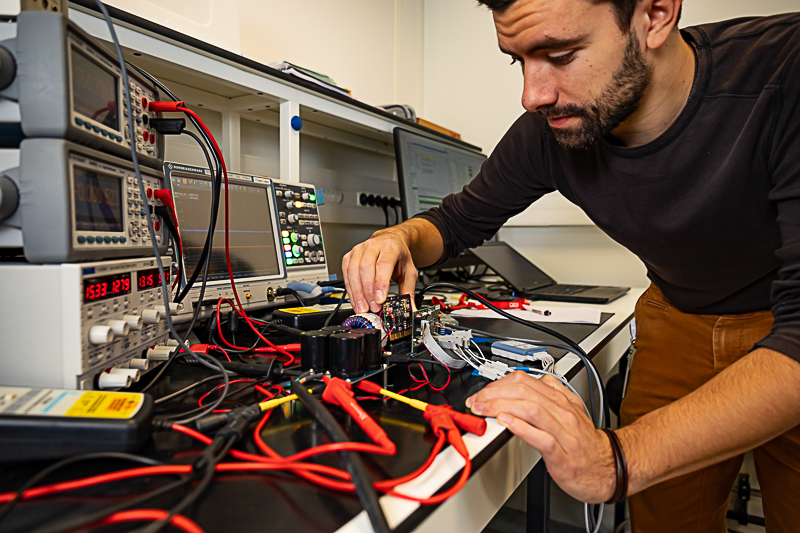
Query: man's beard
616, 103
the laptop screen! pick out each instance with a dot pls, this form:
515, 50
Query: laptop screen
510, 265
428, 170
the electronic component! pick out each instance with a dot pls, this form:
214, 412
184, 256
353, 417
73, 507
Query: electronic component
314, 350
310, 317
330, 330
38, 424
446, 356
372, 348
347, 355
524, 352
68, 85
78, 204
398, 321
256, 259
301, 233
395, 323
67, 323
367, 320
431, 315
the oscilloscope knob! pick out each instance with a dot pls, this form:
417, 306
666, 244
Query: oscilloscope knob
292, 218
100, 335
151, 316
315, 240
119, 327
289, 205
288, 194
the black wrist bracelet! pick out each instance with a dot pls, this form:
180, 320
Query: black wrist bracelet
620, 466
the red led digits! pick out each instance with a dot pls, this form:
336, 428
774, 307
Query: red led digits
149, 279
106, 287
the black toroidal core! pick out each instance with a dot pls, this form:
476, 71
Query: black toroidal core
372, 348
347, 355
314, 349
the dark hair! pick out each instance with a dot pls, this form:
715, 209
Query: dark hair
624, 9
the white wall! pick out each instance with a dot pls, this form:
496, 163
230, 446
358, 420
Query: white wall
372, 47
703, 11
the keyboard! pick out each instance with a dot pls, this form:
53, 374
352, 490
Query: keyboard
562, 290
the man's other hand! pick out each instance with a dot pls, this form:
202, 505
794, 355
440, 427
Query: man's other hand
546, 415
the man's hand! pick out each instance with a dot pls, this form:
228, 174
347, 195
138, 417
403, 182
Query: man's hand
390, 254
369, 266
550, 418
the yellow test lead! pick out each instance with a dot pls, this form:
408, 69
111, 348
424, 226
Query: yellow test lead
271, 404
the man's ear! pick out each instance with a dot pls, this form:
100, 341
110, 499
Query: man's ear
657, 18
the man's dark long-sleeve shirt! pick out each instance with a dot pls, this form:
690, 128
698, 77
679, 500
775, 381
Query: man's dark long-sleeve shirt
712, 206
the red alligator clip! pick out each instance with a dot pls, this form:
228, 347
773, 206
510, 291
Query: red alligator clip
467, 422
337, 392
441, 421
370, 387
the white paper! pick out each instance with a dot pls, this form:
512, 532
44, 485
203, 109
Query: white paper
571, 315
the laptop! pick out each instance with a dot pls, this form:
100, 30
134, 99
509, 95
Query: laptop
530, 281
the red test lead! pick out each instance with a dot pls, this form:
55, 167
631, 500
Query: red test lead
165, 107
338, 393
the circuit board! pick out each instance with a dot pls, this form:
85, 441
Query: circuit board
398, 320
431, 314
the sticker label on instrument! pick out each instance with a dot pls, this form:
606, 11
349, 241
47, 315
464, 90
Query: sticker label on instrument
310, 309
97, 404
74, 403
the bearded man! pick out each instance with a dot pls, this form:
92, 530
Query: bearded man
683, 146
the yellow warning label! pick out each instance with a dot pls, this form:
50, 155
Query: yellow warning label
98, 404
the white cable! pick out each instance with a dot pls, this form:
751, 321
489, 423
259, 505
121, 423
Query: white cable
478, 349
459, 351
586, 511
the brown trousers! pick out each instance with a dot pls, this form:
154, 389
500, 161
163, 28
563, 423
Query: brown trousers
676, 353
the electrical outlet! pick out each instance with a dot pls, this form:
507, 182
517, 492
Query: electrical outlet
366, 199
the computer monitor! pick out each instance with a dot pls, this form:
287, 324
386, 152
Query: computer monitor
255, 248
428, 170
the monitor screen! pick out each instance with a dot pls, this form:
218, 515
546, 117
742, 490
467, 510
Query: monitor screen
428, 170
94, 90
97, 200
252, 240
512, 266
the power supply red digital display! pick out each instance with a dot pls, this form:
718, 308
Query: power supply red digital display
150, 278
102, 288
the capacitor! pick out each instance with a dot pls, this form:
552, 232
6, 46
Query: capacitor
372, 348
347, 355
335, 329
314, 350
